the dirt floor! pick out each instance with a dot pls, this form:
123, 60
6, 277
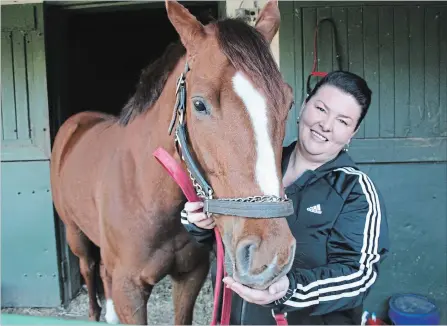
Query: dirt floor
160, 306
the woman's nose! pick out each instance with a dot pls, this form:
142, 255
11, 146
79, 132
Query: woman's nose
326, 125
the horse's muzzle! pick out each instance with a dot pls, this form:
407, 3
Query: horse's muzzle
257, 267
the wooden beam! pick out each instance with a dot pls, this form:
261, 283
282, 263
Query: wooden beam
399, 150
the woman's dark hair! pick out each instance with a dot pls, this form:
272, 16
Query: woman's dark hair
351, 84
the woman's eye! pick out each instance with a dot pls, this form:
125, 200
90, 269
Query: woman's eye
343, 122
199, 106
320, 109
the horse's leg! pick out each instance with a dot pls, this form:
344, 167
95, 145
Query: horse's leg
130, 298
186, 288
110, 316
84, 249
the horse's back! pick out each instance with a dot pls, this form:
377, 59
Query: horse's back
71, 131
75, 166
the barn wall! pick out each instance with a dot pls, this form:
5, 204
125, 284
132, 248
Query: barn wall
401, 50
30, 269
25, 135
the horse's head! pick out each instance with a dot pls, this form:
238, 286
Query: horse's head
236, 108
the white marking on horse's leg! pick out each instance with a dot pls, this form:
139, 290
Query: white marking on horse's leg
257, 108
111, 316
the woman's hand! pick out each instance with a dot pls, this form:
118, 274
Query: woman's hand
275, 291
195, 214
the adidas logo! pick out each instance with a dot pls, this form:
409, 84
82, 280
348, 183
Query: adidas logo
315, 209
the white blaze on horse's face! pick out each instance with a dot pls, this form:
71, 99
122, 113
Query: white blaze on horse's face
256, 106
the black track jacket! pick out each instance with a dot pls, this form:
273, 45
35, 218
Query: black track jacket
340, 227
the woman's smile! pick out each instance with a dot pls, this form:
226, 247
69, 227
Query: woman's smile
318, 137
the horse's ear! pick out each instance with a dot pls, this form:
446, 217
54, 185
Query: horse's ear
269, 19
186, 25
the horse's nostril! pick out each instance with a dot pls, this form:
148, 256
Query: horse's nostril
245, 255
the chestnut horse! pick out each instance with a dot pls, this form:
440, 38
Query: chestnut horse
112, 194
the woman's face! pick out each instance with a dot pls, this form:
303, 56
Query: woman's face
327, 122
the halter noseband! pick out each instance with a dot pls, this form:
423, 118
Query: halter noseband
268, 206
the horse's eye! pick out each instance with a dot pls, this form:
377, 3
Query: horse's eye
200, 105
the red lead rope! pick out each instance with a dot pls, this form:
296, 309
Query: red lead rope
314, 71
181, 178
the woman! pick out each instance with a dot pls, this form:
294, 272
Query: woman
339, 221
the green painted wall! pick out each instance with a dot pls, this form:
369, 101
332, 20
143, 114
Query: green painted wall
415, 195
30, 268
25, 132
30, 274
401, 50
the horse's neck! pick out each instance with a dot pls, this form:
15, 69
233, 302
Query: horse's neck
150, 129
148, 132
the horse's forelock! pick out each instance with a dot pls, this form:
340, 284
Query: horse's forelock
249, 52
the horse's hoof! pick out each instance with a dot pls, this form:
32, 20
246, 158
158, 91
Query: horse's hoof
94, 315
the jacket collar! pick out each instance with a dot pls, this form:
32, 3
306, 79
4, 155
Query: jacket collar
341, 160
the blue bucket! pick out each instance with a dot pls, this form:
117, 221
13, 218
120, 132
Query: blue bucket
413, 309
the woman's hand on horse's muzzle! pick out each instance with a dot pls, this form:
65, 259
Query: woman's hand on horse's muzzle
275, 291
195, 215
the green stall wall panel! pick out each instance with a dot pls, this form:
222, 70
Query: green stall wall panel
24, 106
417, 219
30, 275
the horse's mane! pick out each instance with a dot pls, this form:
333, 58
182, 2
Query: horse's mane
152, 81
243, 45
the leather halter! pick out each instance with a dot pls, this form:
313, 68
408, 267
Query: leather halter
267, 206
